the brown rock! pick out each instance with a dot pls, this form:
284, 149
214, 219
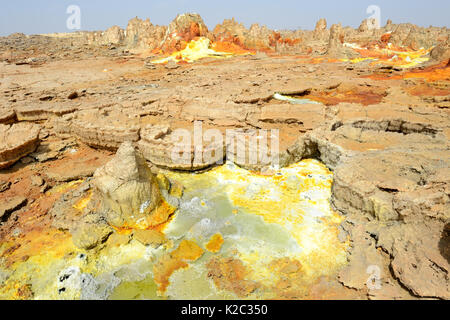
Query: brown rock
11, 205
73, 95
66, 214
4, 185
117, 239
232, 31
100, 128
335, 43
176, 189
7, 116
417, 259
37, 181
75, 170
418, 38
168, 149
42, 111
16, 141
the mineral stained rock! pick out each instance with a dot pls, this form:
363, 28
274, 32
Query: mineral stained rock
394, 172
10, 206
184, 28
90, 231
17, 141
7, 116
257, 37
149, 237
42, 111
169, 149
100, 128
130, 192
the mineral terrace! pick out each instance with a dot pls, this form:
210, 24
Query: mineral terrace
93, 207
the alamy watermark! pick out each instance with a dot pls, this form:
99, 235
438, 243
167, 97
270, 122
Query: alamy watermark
250, 147
375, 17
73, 22
374, 280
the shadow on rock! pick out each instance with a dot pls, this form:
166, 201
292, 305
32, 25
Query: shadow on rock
444, 243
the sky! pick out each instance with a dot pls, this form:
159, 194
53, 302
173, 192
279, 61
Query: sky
48, 16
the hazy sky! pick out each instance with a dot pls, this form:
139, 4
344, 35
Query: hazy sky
46, 16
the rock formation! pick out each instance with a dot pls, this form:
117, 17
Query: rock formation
42, 111
184, 28
17, 141
90, 231
367, 25
403, 199
320, 31
441, 53
336, 41
7, 116
130, 193
257, 37
142, 34
418, 38
114, 35
169, 149
231, 31
100, 128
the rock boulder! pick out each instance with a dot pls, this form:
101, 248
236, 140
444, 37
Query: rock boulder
17, 141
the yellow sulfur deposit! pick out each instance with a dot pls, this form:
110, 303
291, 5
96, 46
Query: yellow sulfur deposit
195, 50
266, 229
390, 56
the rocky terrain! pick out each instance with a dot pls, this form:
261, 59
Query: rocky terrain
90, 193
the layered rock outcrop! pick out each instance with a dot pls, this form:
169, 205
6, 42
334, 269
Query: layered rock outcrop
7, 116
106, 128
176, 149
391, 170
17, 141
43, 111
